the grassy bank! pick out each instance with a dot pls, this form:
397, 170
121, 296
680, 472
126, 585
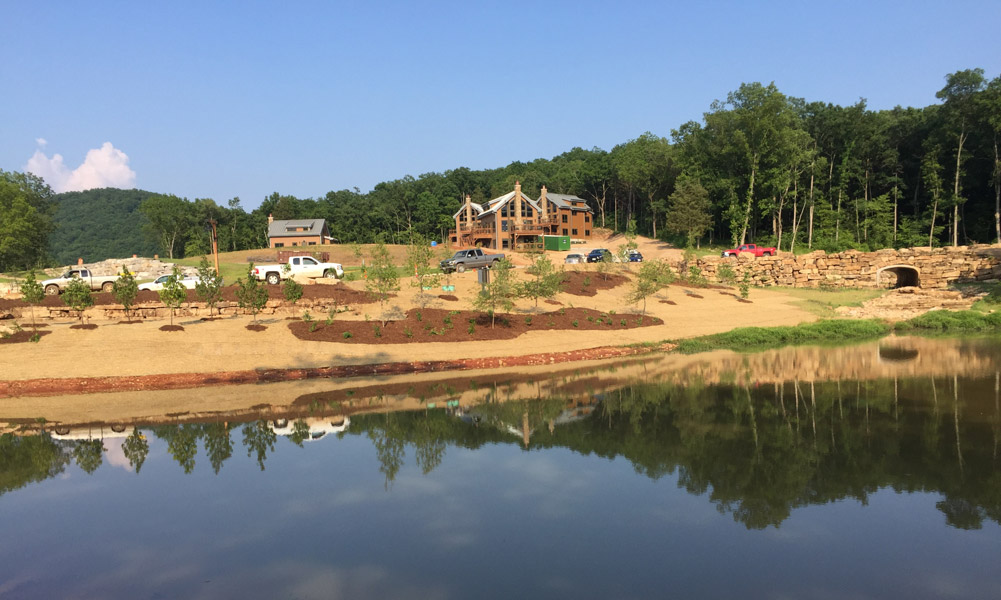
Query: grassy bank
839, 331
760, 338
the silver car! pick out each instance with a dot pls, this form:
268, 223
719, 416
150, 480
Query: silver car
574, 258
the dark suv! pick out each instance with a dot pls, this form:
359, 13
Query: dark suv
598, 255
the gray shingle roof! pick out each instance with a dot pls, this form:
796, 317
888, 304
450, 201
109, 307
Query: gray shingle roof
288, 228
566, 200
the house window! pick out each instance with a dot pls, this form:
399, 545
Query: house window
279, 245
295, 243
587, 218
564, 232
564, 218
503, 243
573, 232
587, 233
312, 243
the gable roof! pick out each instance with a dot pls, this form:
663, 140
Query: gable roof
287, 228
477, 210
500, 201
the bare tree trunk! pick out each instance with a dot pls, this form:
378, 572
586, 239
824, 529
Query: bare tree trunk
809, 235
955, 191
934, 212
894, 213
997, 190
750, 200
837, 220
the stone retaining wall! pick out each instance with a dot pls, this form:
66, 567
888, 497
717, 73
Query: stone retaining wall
936, 267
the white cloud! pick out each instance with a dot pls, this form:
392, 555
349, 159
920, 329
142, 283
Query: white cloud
106, 166
41, 142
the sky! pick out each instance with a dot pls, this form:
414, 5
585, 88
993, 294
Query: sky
242, 99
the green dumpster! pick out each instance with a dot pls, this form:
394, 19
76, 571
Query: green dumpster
556, 242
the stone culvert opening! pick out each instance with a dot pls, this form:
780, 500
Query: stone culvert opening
898, 276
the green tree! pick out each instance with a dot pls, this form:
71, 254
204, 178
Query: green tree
420, 257
499, 293
33, 294
382, 275
959, 95
300, 432
654, 275
78, 297
251, 294
168, 220
689, 210
291, 289
931, 176
546, 281
209, 286
218, 444
259, 439
125, 291
173, 294
136, 449
26, 211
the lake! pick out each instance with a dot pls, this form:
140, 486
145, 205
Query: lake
870, 471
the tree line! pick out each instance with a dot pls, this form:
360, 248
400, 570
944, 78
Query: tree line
760, 166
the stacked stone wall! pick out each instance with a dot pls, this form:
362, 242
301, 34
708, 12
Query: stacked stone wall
936, 267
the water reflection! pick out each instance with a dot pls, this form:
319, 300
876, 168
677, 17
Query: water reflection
756, 452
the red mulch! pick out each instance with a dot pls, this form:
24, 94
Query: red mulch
86, 326
340, 293
551, 301
433, 326
449, 297
22, 336
690, 295
573, 282
171, 328
253, 327
671, 302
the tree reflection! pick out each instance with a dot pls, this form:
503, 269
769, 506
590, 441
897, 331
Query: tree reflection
259, 439
218, 444
136, 449
88, 454
28, 459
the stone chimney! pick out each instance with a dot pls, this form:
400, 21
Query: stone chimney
270, 219
79, 261
517, 203
542, 204
469, 212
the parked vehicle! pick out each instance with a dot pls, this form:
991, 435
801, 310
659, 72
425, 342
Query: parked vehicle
305, 266
469, 259
753, 249
157, 284
634, 256
318, 427
574, 258
59, 284
599, 255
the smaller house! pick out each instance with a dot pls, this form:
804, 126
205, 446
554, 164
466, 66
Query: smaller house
297, 232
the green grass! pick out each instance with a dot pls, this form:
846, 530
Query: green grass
822, 302
952, 321
230, 271
747, 339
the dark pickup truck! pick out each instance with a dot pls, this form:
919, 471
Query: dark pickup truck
469, 259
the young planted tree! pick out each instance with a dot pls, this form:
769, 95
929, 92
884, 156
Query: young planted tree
78, 297
420, 255
499, 293
173, 293
209, 286
604, 266
291, 289
689, 210
547, 280
125, 290
630, 244
444, 254
32, 293
382, 275
251, 294
653, 276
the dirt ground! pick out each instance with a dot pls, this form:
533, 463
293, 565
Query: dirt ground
225, 344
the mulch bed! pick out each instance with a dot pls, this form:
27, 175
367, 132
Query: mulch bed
22, 336
340, 293
671, 302
574, 282
86, 326
449, 297
438, 325
171, 328
253, 327
554, 302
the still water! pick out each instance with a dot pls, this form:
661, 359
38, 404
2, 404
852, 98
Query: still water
750, 476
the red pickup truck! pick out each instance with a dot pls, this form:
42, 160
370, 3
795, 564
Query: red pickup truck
753, 249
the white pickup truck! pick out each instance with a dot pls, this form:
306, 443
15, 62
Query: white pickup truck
157, 284
304, 266
59, 284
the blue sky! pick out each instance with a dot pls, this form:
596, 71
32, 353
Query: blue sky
223, 99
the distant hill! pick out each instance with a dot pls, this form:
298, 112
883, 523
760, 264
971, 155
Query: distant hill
99, 224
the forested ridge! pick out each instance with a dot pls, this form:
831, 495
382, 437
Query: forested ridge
759, 167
